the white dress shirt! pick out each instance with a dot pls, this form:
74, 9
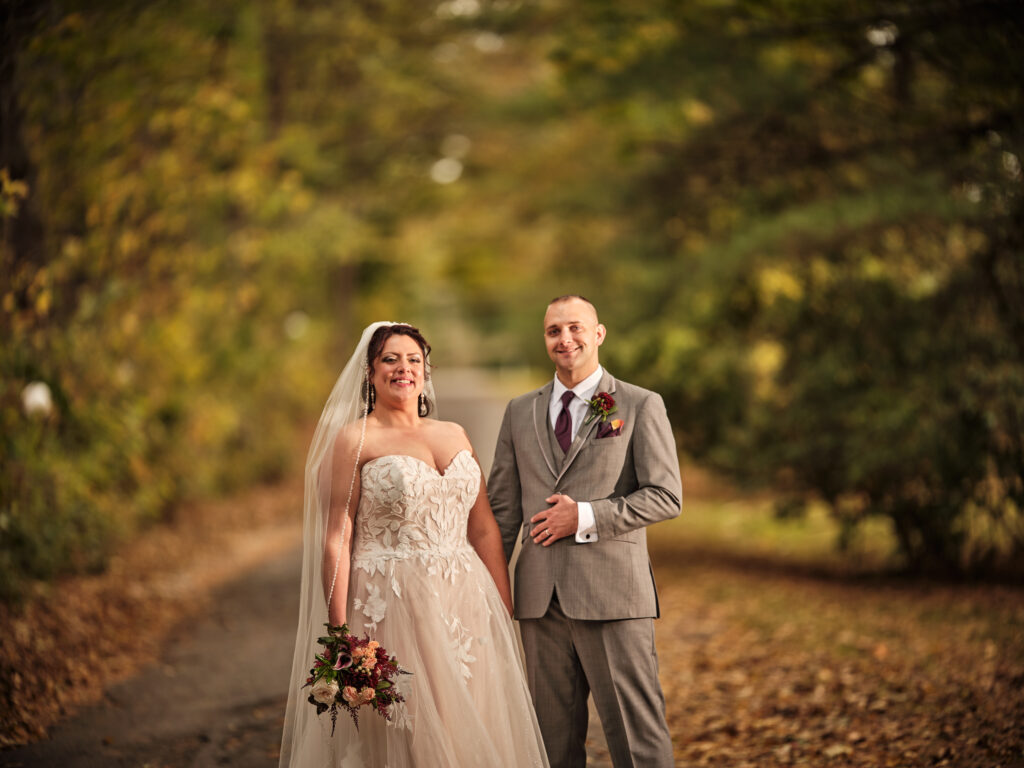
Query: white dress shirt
579, 407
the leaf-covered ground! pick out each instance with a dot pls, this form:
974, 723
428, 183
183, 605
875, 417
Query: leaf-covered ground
765, 661
766, 664
72, 639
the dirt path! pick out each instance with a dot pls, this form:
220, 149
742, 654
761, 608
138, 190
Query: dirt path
200, 704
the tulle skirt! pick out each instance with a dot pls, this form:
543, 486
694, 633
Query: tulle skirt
467, 704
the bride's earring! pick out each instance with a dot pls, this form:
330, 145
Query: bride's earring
371, 396
423, 405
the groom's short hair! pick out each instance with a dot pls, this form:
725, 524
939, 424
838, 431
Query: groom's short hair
569, 296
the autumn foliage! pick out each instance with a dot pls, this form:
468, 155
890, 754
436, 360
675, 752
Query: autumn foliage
801, 223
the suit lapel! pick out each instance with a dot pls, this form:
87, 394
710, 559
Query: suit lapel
540, 425
586, 430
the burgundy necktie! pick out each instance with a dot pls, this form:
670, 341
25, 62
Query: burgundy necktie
563, 425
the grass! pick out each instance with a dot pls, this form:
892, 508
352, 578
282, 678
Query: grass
719, 519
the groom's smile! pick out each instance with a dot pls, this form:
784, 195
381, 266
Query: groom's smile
572, 335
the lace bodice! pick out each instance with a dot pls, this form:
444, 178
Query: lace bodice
411, 516
409, 509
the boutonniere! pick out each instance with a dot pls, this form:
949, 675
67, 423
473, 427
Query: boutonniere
602, 405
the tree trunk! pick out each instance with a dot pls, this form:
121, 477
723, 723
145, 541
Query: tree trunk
274, 64
23, 235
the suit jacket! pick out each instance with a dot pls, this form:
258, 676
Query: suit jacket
631, 479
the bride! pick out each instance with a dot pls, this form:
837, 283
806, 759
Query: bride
400, 543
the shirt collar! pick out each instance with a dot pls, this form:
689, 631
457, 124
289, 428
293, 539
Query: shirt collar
584, 390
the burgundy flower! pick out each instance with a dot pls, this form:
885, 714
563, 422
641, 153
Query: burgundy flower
603, 405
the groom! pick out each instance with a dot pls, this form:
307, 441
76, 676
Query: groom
583, 465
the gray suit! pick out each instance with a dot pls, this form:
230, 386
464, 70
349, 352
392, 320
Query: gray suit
585, 610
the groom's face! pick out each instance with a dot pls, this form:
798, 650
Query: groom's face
572, 335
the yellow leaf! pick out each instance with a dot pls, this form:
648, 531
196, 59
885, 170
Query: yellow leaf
43, 302
838, 749
774, 282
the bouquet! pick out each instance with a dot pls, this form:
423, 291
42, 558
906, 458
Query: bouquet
352, 672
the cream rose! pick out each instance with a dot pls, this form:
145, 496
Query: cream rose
325, 692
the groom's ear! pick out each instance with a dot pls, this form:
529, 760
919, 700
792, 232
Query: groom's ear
601, 332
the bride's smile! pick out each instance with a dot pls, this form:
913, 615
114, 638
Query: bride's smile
398, 371
403, 383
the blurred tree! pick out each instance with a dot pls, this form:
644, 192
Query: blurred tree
826, 201
800, 220
200, 202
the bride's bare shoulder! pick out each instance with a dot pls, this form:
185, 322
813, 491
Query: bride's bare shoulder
349, 435
448, 428
451, 434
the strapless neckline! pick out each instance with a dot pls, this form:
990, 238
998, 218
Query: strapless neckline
439, 472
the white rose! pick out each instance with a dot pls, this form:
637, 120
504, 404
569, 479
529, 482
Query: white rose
324, 692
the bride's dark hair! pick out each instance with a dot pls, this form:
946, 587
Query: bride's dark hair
377, 341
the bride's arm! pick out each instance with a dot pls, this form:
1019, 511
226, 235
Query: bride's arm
485, 538
338, 541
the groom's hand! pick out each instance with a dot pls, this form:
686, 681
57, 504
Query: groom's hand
556, 522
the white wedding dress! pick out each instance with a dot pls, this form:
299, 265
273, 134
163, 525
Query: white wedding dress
419, 588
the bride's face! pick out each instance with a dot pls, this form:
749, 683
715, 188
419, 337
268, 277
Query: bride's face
398, 371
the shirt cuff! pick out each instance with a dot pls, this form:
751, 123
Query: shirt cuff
586, 527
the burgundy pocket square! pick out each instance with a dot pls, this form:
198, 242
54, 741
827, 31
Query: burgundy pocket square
609, 429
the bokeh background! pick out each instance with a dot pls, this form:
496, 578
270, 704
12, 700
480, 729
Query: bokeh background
801, 221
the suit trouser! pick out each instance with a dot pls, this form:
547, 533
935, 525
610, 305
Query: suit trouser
616, 660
